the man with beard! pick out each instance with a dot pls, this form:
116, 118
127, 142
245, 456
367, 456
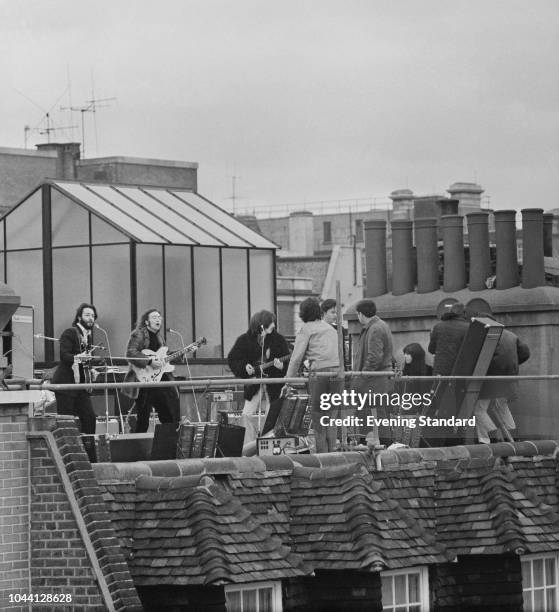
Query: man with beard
165, 400
75, 357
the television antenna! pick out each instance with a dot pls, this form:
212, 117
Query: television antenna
90, 106
50, 127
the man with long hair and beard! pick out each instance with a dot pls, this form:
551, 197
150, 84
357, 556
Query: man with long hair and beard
165, 400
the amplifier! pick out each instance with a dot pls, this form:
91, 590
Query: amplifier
276, 446
106, 427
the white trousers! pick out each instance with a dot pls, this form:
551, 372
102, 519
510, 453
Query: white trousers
249, 418
485, 424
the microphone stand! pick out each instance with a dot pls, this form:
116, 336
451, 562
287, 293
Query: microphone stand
97, 326
172, 331
260, 390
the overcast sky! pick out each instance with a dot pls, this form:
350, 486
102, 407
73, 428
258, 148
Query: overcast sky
301, 100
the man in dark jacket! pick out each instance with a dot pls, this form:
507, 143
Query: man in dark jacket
75, 357
260, 345
147, 336
447, 337
509, 353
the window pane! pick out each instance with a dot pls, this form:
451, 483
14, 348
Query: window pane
550, 571
539, 600
527, 601
413, 588
400, 591
70, 222
526, 574
207, 300
178, 293
235, 295
102, 232
149, 277
265, 600
261, 281
538, 572
111, 280
249, 601
414, 608
70, 282
551, 598
233, 599
24, 224
2, 235
25, 277
387, 593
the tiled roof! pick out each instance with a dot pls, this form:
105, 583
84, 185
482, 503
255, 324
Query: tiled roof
263, 517
188, 530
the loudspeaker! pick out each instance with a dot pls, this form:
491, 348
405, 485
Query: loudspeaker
230, 440
165, 441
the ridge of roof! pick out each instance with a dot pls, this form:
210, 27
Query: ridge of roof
449, 456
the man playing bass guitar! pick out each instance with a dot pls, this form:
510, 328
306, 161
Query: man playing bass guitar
165, 400
75, 359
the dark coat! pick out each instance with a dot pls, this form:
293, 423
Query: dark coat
70, 345
510, 352
247, 350
445, 342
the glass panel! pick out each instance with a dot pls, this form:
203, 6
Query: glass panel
146, 216
70, 282
235, 295
527, 601
538, 572
24, 224
201, 228
261, 281
249, 601
178, 293
539, 600
265, 600
387, 590
163, 212
527, 574
111, 293
413, 588
182, 207
25, 277
551, 599
233, 599
550, 572
111, 213
207, 300
225, 219
400, 590
414, 608
70, 222
102, 232
2, 275
1, 235
149, 276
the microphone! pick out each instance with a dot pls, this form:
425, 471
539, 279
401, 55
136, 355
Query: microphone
173, 331
46, 337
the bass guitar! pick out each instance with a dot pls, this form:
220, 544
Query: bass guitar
152, 373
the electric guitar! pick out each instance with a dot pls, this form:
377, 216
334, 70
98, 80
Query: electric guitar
151, 373
269, 364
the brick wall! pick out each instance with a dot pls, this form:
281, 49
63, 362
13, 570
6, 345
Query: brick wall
477, 582
14, 515
59, 559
